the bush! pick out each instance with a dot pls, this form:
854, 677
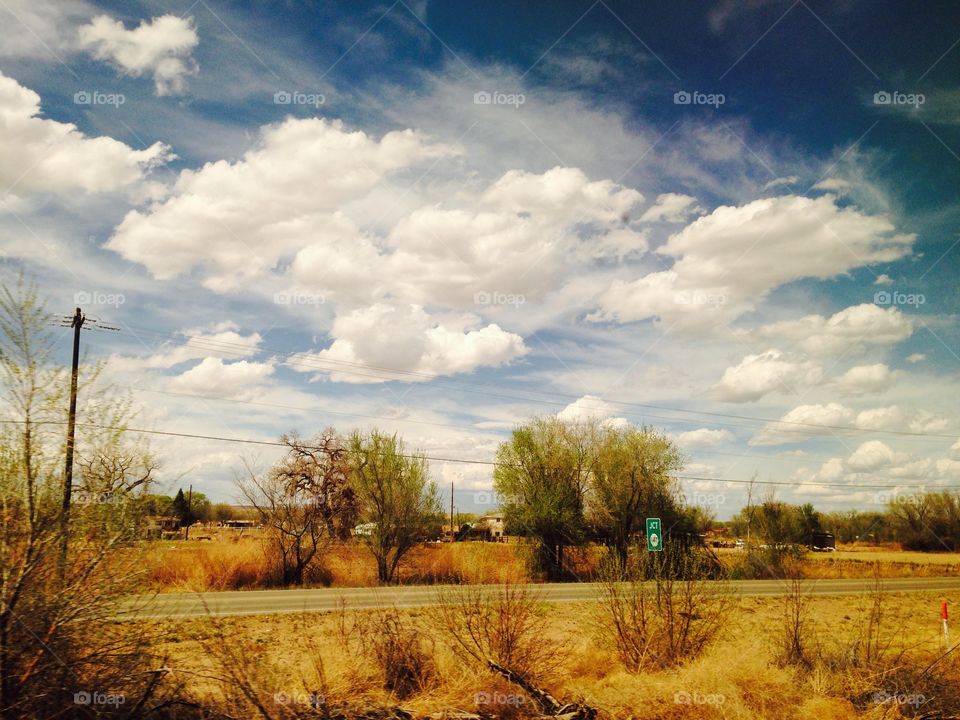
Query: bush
666, 620
506, 625
797, 641
770, 562
393, 644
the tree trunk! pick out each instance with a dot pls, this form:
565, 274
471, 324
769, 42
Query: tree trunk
622, 550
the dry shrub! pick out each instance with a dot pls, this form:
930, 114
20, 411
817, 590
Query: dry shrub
507, 625
797, 641
251, 683
869, 644
62, 654
391, 643
666, 620
872, 666
771, 562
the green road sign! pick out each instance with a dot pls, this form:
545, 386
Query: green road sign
654, 536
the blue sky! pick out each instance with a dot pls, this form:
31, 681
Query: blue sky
733, 220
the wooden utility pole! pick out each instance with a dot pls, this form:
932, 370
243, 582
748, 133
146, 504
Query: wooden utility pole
76, 324
452, 536
189, 511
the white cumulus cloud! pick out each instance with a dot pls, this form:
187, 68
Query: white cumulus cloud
770, 371
703, 437
848, 331
161, 47
805, 421
213, 377
866, 380
408, 340
591, 407
671, 208
739, 254
41, 155
239, 219
871, 456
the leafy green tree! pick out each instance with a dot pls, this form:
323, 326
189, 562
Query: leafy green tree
221, 512
180, 508
810, 522
542, 475
395, 495
929, 521
190, 508
62, 573
632, 478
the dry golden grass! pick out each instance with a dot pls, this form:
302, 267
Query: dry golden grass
232, 563
235, 564
201, 565
735, 678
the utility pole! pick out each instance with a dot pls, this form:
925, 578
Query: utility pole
77, 321
452, 536
750, 508
189, 511
76, 324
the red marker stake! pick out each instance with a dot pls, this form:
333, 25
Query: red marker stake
945, 616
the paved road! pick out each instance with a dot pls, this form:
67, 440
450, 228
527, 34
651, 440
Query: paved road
269, 602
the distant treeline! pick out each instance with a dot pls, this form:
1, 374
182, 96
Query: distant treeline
192, 508
923, 521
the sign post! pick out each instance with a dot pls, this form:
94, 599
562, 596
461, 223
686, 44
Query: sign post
654, 535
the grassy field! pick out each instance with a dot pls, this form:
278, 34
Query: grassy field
231, 563
737, 677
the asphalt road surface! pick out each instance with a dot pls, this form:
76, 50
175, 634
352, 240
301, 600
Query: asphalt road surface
270, 602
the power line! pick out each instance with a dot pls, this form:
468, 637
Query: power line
311, 363
468, 461
457, 426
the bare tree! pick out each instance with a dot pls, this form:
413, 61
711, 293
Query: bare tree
296, 531
320, 470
